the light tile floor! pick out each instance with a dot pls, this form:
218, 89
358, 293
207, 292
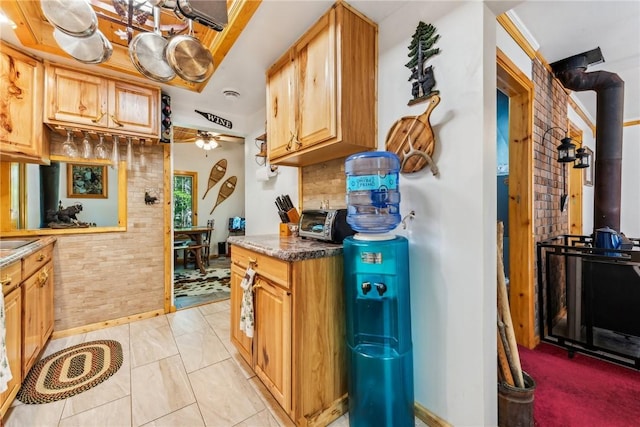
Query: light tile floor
179, 369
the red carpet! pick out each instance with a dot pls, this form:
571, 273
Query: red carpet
582, 391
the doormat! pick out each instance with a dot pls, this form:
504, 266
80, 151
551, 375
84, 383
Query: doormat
71, 371
191, 283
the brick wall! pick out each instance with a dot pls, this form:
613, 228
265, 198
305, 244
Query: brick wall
105, 276
550, 110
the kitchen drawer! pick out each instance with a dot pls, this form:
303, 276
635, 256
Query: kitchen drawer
271, 268
11, 276
36, 260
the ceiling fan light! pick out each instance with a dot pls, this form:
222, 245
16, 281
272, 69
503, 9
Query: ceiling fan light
213, 143
200, 141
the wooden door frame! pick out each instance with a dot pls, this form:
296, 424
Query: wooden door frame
575, 186
520, 90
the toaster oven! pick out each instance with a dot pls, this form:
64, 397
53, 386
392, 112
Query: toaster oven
325, 224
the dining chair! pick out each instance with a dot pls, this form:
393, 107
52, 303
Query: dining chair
179, 246
207, 242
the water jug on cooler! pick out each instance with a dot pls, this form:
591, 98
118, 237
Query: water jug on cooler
373, 198
376, 279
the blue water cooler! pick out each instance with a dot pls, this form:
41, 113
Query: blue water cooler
378, 315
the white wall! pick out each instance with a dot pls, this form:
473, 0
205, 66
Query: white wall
452, 238
630, 206
261, 211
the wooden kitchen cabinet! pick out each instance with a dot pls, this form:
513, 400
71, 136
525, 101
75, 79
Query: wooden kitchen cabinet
21, 129
273, 339
298, 349
11, 278
238, 337
102, 104
37, 312
30, 322
28, 296
321, 94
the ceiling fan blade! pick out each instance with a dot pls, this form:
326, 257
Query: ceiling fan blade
229, 138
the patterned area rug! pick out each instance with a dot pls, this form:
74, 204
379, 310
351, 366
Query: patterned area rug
191, 283
71, 371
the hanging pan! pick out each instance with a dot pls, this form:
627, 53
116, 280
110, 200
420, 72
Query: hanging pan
94, 49
73, 17
188, 57
166, 4
146, 53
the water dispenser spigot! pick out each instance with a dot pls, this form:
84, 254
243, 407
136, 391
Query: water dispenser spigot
366, 287
381, 288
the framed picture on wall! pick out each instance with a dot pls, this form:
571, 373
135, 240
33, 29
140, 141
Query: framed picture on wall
86, 181
588, 172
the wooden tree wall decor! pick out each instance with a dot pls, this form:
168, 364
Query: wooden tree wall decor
411, 138
421, 49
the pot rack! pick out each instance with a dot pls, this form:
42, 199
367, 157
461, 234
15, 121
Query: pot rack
191, 60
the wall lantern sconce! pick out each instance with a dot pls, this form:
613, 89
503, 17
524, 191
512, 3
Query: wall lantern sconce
582, 159
567, 151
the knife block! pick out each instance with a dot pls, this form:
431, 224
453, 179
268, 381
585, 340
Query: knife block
284, 230
293, 215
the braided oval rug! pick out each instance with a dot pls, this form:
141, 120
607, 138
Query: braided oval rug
71, 371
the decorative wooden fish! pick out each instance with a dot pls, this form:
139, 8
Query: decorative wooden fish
217, 172
411, 138
226, 189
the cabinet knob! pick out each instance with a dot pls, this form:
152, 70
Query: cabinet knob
252, 261
253, 289
116, 121
98, 117
6, 280
40, 257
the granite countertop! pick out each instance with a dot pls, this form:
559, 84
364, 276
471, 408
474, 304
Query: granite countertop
287, 248
7, 256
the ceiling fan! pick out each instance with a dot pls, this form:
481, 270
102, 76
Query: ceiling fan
190, 135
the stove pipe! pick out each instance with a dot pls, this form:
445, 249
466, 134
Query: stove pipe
609, 88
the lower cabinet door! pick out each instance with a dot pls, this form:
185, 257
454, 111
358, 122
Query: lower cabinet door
31, 327
273, 340
13, 339
238, 337
46, 303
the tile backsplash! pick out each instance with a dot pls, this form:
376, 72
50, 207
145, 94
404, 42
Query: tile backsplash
324, 182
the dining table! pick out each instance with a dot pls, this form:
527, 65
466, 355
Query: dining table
196, 234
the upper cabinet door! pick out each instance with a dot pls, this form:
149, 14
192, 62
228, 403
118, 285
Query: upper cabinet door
93, 102
316, 80
76, 97
134, 108
21, 87
334, 102
281, 110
